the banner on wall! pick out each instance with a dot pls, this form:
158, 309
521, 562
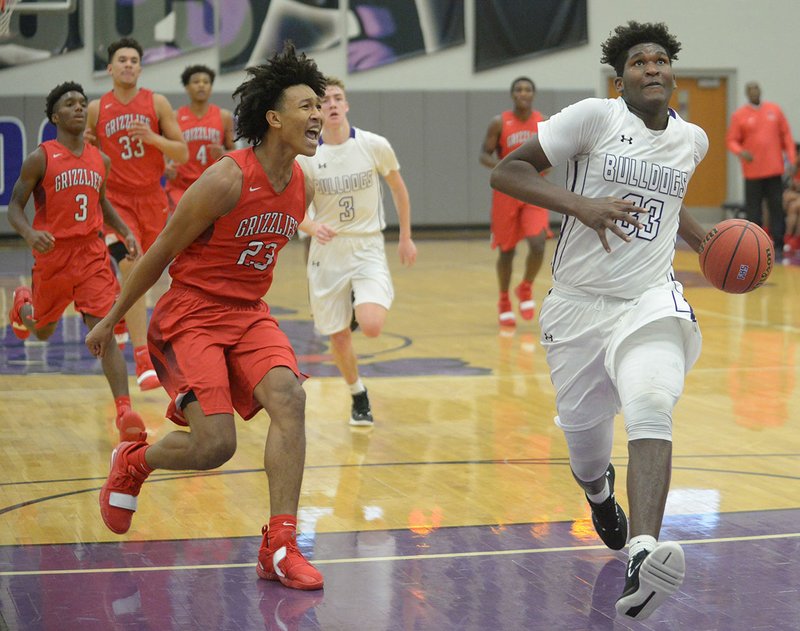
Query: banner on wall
42, 35
251, 31
387, 31
509, 30
164, 28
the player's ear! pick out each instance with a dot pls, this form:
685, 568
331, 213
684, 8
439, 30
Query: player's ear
274, 118
618, 85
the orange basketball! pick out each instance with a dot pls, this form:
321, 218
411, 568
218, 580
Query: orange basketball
736, 256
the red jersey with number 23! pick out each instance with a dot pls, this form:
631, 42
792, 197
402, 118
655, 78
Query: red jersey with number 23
67, 199
136, 167
235, 257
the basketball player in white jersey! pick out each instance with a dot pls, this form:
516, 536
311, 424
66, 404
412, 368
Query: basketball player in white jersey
618, 333
351, 272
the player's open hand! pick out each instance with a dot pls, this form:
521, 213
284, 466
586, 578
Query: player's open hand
139, 130
407, 251
323, 232
608, 213
100, 337
89, 136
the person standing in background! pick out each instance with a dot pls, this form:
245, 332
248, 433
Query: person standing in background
207, 130
513, 220
137, 129
759, 135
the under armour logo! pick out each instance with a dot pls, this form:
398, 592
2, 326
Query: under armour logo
629, 140
322, 165
547, 337
314, 263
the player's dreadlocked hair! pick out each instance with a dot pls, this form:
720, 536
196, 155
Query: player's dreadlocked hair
263, 91
59, 91
615, 48
187, 73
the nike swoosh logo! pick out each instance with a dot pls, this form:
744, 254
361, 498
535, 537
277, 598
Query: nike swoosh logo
288, 523
256, 188
107, 105
56, 155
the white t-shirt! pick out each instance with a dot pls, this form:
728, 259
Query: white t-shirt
611, 153
348, 195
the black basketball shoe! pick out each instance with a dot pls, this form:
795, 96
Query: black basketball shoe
608, 518
361, 414
652, 577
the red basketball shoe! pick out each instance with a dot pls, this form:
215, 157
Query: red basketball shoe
527, 306
121, 334
119, 495
131, 426
280, 560
506, 313
146, 375
22, 296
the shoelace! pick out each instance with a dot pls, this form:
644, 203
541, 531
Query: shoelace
128, 481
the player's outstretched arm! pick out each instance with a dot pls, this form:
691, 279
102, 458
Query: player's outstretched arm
517, 175
214, 194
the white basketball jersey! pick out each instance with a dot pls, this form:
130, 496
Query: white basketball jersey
348, 195
611, 153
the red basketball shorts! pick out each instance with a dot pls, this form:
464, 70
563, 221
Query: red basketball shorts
218, 349
144, 213
514, 220
76, 270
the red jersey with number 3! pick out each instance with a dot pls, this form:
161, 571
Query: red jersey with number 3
67, 199
198, 133
515, 131
136, 167
235, 257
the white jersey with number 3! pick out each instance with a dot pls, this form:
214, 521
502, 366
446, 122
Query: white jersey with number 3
347, 185
611, 153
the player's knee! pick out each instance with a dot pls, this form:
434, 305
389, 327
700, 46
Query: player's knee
286, 402
371, 328
45, 333
215, 453
649, 415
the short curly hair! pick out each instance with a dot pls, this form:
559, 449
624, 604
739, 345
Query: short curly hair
187, 73
124, 42
57, 92
615, 48
265, 88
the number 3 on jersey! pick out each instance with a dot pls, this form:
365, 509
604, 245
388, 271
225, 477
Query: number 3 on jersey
650, 221
258, 254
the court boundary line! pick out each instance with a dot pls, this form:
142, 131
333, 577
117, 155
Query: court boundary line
385, 559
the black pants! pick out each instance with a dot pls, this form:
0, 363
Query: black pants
771, 189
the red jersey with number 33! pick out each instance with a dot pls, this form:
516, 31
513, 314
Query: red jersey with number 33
198, 133
67, 199
136, 167
235, 257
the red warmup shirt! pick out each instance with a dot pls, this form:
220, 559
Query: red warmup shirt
136, 167
67, 199
234, 259
764, 132
515, 132
198, 134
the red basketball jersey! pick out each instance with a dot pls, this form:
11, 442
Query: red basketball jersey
198, 134
515, 132
234, 259
136, 167
67, 199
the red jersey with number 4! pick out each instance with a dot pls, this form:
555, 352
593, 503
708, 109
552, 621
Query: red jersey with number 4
515, 131
136, 167
235, 257
67, 199
198, 133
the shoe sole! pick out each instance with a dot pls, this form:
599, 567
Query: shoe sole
104, 493
272, 576
356, 423
660, 576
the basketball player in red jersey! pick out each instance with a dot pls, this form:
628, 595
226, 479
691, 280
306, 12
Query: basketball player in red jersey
215, 345
513, 220
207, 130
137, 129
67, 179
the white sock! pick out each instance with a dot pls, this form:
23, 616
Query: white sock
357, 387
641, 542
602, 496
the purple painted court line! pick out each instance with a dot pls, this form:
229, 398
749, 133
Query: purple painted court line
524, 576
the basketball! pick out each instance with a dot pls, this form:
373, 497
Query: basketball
736, 256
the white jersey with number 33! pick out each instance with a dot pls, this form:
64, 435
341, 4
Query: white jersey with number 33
347, 185
610, 152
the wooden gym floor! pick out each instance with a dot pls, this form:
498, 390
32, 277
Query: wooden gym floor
457, 511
